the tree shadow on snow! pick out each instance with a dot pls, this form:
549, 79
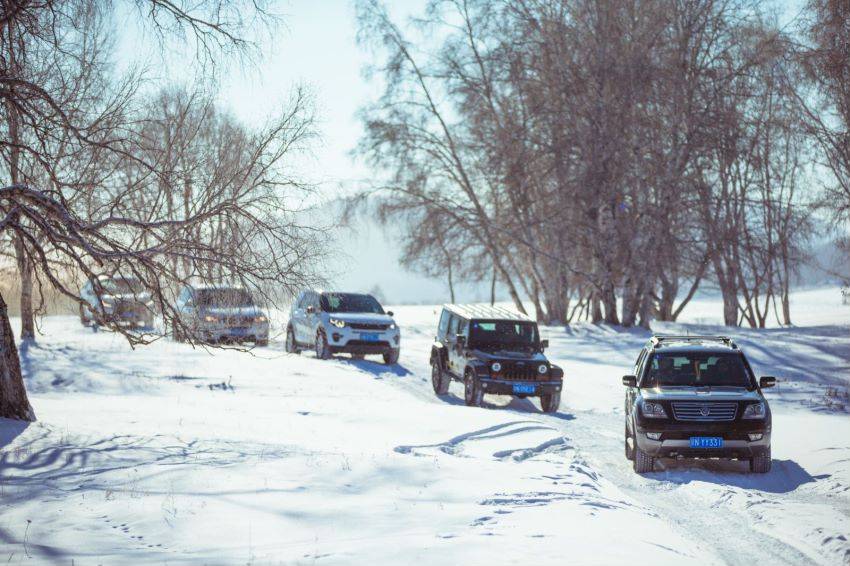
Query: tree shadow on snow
785, 475
9, 430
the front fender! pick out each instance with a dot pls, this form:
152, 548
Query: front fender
439, 355
556, 372
480, 368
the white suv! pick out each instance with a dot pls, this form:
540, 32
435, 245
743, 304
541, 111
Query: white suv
351, 323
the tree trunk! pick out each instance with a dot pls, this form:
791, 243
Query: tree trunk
25, 273
13, 395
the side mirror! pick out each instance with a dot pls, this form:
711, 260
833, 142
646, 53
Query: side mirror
630, 381
310, 309
390, 313
767, 381
544, 344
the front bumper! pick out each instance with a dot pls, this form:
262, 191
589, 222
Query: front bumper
675, 440
258, 331
506, 387
355, 341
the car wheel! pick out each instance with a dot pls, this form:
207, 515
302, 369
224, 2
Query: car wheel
473, 395
439, 380
550, 402
323, 352
643, 463
391, 357
84, 320
291, 346
761, 463
630, 453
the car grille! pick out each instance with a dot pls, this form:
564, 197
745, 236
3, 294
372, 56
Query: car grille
700, 411
238, 321
367, 326
520, 372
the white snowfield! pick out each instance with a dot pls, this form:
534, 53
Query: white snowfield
173, 455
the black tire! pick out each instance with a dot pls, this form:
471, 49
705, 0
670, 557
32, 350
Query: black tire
84, 320
643, 463
473, 395
391, 357
630, 453
550, 402
323, 351
761, 464
291, 346
439, 380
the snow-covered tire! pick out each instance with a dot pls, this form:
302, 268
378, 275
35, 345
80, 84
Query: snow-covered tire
630, 453
761, 463
643, 462
550, 402
391, 357
291, 346
439, 380
323, 351
473, 395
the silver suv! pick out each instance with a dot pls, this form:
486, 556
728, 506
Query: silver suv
351, 323
217, 313
123, 300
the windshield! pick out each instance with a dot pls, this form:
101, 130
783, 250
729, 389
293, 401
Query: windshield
224, 298
350, 302
503, 333
693, 369
122, 286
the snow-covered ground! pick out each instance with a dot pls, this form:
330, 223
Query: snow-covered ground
169, 454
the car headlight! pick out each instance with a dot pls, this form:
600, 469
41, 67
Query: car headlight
542, 369
653, 410
210, 318
496, 366
392, 326
754, 411
337, 322
261, 318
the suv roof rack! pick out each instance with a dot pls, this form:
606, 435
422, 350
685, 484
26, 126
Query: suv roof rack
658, 340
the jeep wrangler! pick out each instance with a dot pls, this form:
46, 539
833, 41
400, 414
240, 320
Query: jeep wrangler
696, 397
493, 350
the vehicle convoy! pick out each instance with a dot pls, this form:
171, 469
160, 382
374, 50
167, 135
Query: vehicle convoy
351, 323
696, 397
220, 313
493, 350
121, 300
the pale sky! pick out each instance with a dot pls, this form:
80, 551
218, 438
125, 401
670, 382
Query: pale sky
315, 46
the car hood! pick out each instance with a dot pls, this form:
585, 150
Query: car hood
233, 311
142, 297
364, 318
509, 355
700, 394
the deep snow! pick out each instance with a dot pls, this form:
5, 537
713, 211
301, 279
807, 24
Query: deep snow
169, 454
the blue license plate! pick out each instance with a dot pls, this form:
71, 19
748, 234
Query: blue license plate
370, 337
706, 442
520, 388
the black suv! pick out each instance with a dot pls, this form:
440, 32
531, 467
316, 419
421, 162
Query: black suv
493, 350
696, 397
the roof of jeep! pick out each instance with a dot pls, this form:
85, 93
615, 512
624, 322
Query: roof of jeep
485, 312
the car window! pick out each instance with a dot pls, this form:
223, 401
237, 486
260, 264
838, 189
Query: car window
350, 302
503, 332
698, 369
452, 333
444, 324
225, 297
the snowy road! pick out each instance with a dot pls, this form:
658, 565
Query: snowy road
172, 455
